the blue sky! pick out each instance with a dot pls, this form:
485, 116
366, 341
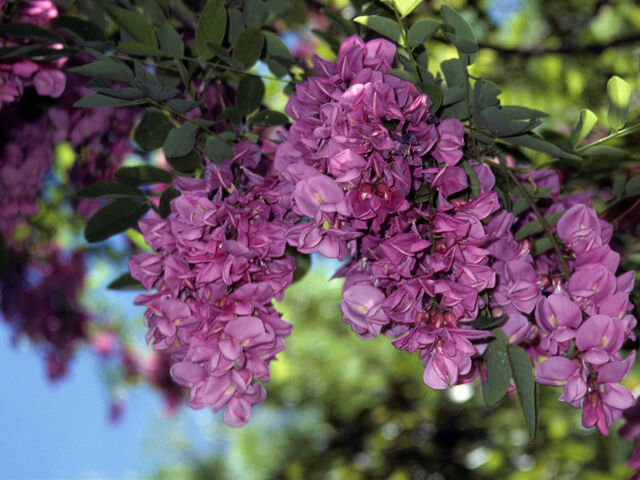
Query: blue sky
61, 430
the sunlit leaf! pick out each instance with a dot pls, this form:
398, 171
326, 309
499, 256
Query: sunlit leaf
584, 124
383, 25
619, 93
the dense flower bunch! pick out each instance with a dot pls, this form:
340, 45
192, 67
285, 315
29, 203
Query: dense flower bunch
578, 317
582, 315
16, 74
366, 173
220, 261
361, 151
39, 298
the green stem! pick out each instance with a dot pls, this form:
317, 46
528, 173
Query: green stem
619, 134
470, 119
405, 43
543, 222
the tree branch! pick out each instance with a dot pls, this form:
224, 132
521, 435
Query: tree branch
594, 48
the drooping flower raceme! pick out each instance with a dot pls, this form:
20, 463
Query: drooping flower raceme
376, 177
220, 260
575, 317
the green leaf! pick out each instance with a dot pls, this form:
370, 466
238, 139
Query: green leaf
498, 121
30, 31
255, 13
108, 70
474, 181
217, 150
121, 93
249, 94
405, 7
498, 369
342, 24
484, 322
231, 114
114, 218
277, 48
618, 185
454, 95
180, 140
422, 31
164, 207
516, 112
535, 226
11, 52
277, 9
541, 246
604, 150
223, 55
99, 100
110, 190
453, 72
125, 282
633, 186
188, 163
540, 144
182, 105
584, 124
138, 49
434, 92
79, 28
269, 118
143, 175
211, 27
522, 372
403, 74
458, 31
619, 93
248, 47
383, 25
134, 24
236, 25
152, 131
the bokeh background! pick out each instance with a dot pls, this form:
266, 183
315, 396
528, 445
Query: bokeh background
337, 406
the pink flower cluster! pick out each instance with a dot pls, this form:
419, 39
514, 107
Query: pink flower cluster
577, 319
366, 174
46, 76
39, 298
220, 261
361, 147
